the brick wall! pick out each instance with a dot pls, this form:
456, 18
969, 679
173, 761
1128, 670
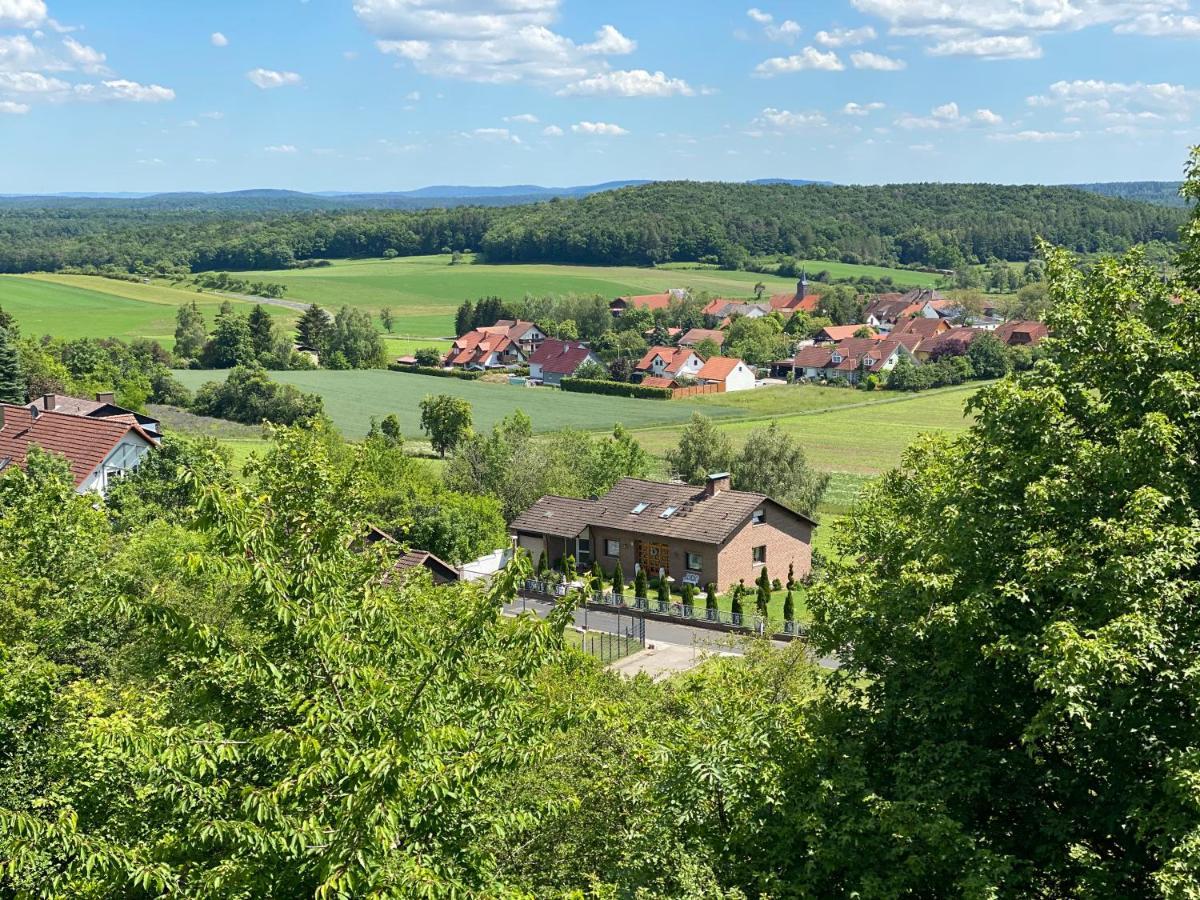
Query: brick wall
787, 539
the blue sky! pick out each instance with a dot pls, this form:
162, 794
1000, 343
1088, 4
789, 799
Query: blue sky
395, 94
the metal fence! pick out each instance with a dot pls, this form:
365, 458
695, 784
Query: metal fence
672, 609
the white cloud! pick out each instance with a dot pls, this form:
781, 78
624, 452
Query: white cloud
552, 131
280, 148
762, 18
219, 40
610, 42
948, 116
1038, 137
523, 118
604, 128
921, 148
22, 13
212, 115
493, 41
1156, 24
412, 96
12, 108
864, 59
17, 52
845, 37
629, 83
947, 112
989, 47
31, 83
987, 117
123, 89
861, 109
84, 57
782, 118
808, 58
995, 16
268, 78
494, 134
1120, 99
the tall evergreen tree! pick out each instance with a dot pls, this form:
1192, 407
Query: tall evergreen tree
314, 328
12, 379
190, 333
464, 319
260, 323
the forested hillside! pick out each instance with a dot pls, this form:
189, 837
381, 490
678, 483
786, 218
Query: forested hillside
1163, 193
936, 225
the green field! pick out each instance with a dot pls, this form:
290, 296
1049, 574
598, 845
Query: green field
76, 306
423, 293
351, 398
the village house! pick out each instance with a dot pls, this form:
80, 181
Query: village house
103, 407
831, 334
556, 360
886, 310
733, 374
800, 301
952, 342
669, 362
695, 535
648, 301
696, 336
1022, 334
98, 450
725, 309
505, 345
852, 359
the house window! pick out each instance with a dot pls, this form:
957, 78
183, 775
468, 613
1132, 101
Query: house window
583, 551
694, 562
758, 517
612, 548
759, 555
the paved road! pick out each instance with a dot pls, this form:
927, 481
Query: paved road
678, 634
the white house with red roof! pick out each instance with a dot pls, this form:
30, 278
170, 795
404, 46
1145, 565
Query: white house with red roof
98, 450
556, 360
852, 359
505, 345
669, 362
734, 374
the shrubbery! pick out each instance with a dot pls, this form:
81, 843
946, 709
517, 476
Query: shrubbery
248, 395
615, 389
464, 374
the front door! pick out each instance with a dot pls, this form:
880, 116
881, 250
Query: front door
652, 557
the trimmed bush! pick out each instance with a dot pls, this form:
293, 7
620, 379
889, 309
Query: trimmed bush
464, 374
615, 389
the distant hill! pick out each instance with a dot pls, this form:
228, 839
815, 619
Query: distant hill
1160, 193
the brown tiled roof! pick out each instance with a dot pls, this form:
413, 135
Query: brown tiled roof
697, 517
920, 325
416, 558
657, 381
559, 516
84, 441
794, 303
674, 357
560, 357
852, 351
650, 301
698, 335
1026, 333
951, 343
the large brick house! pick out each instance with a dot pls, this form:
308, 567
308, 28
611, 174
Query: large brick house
696, 535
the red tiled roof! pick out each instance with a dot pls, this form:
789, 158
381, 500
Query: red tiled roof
649, 301
718, 368
699, 335
1024, 333
926, 328
560, 357
793, 302
841, 332
674, 357
951, 343
85, 442
852, 351
658, 381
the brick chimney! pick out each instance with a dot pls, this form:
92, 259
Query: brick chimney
717, 482
107, 397
50, 402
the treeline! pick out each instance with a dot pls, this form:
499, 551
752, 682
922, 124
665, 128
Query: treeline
943, 226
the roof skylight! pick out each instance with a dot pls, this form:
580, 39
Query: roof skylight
640, 508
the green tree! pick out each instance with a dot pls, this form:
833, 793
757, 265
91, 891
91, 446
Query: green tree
989, 357
230, 344
703, 449
12, 378
789, 606
456, 527
428, 356
353, 335
262, 335
386, 319
771, 462
1061, 595
447, 421
618, 581
390, 429
710, 601
464, 319
641, 588
314, 328
190, 333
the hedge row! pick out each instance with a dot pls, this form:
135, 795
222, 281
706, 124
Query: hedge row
615, 388
464, 374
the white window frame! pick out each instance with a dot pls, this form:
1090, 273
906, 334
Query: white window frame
699, 559
754, 553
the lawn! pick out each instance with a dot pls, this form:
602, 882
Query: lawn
424, 291
351, 398
76, 306
863, 438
